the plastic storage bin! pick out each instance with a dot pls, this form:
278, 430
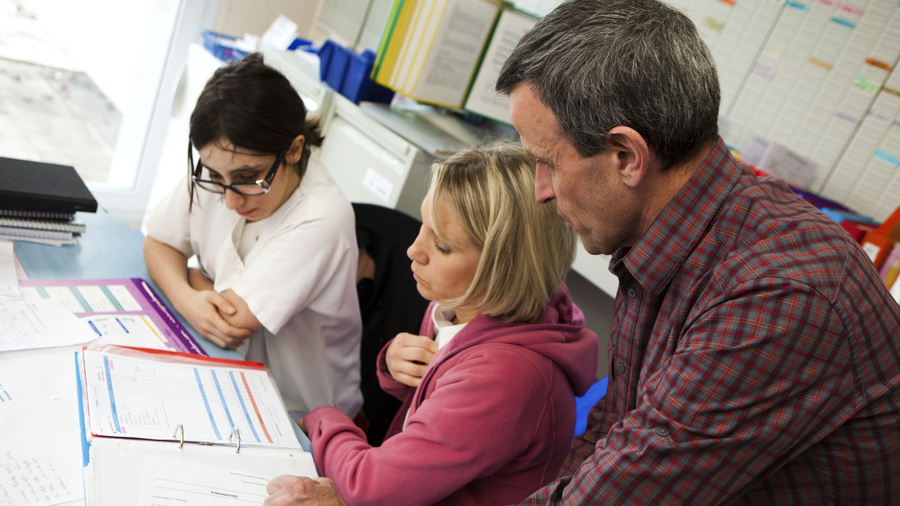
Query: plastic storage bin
348, 73
222, 46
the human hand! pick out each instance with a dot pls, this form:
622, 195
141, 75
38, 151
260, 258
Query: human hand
206, 312
287, 490
408, 357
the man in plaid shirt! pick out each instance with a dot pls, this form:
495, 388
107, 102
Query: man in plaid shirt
754, 354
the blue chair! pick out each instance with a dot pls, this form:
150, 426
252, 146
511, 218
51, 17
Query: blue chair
587, 401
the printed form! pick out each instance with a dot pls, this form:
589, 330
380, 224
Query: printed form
161, 399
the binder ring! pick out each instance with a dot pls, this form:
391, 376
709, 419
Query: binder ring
179, 433
236, 433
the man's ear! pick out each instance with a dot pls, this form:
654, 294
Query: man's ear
631, 153
295, 150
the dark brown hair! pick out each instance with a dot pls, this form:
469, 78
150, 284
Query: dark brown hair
253, 106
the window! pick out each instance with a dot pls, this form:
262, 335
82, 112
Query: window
94, 86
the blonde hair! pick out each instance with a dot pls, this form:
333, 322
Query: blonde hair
526, 249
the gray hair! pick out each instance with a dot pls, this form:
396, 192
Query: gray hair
598, 64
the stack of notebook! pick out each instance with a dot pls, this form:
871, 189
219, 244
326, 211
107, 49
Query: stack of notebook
41, 201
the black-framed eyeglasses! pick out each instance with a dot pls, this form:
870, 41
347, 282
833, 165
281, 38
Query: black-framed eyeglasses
258, 187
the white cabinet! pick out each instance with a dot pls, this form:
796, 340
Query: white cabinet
371, 163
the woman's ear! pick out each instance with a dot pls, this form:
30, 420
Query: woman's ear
295, 151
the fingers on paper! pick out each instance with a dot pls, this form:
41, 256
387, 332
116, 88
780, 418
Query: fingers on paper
287, 490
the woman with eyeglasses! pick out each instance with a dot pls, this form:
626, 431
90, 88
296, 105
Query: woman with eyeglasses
273, 238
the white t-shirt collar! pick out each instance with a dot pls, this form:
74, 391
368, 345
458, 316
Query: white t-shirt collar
444, 329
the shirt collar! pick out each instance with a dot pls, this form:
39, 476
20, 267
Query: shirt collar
674, 234
444, 328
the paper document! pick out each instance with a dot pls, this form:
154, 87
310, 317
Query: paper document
40, 453
40, 324
9, 278
170, 396
40, 464
137, 471
137, 330
132, 300
175, 482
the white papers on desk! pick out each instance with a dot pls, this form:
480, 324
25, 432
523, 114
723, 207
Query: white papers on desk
40, 324
10, 288
40, 459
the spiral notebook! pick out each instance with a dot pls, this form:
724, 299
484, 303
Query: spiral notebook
35, 214
30, 233
74, 225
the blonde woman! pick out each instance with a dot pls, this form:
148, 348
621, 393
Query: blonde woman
489, 384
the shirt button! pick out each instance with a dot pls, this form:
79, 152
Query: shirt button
620, 368
632, 293
661, 431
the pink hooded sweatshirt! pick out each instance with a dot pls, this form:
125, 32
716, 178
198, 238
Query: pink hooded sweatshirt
491, 422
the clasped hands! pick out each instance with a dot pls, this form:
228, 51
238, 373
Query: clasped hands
223, 318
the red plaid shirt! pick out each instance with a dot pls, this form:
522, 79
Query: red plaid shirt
754, 358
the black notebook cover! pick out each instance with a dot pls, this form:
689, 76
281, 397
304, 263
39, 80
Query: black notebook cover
43, 187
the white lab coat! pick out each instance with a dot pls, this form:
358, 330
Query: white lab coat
299, 280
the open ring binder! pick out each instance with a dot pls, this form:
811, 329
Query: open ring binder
235, 435
208, 401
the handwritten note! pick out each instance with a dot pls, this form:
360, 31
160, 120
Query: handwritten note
40, 448
32, 479
40, 324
